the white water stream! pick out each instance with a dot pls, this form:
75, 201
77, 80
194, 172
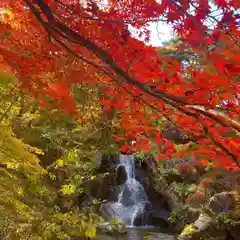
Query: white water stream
132, 198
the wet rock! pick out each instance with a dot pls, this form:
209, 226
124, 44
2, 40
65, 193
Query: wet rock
148, 164
160, 221
142, 177
121, 176
161, 237
222, 202
223, 237
107, 162
159, 210
143, 218
106, 211
114, 192
100, 187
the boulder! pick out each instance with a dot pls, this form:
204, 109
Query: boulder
222, 202
196, 200
203, 222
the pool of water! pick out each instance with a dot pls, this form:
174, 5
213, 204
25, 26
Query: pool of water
133, 233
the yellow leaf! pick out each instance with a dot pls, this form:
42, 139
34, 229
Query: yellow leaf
68, 189
60, 163
8, 12
92, 177
91, 232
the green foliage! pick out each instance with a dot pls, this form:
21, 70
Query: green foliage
172, 219
31, 193
231, 217
184, 189
28, 203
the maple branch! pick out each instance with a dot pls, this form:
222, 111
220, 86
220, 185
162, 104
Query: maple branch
53, 26
209, 135
107, 73
190, 136
218, 144
214, 113
98, 67
174, 2
21, 54
74, 37
96, 18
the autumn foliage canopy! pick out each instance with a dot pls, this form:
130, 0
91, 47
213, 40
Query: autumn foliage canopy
50, 45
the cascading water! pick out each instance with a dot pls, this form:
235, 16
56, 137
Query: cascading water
131, 199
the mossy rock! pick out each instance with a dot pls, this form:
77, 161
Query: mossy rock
113, 228
182, 216
231, 222
198, 229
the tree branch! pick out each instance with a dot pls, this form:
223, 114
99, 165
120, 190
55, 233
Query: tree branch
56, 28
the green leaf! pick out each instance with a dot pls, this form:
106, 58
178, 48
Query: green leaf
52, 176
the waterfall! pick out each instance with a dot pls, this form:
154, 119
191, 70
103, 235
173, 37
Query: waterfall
131, 198
128, 162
